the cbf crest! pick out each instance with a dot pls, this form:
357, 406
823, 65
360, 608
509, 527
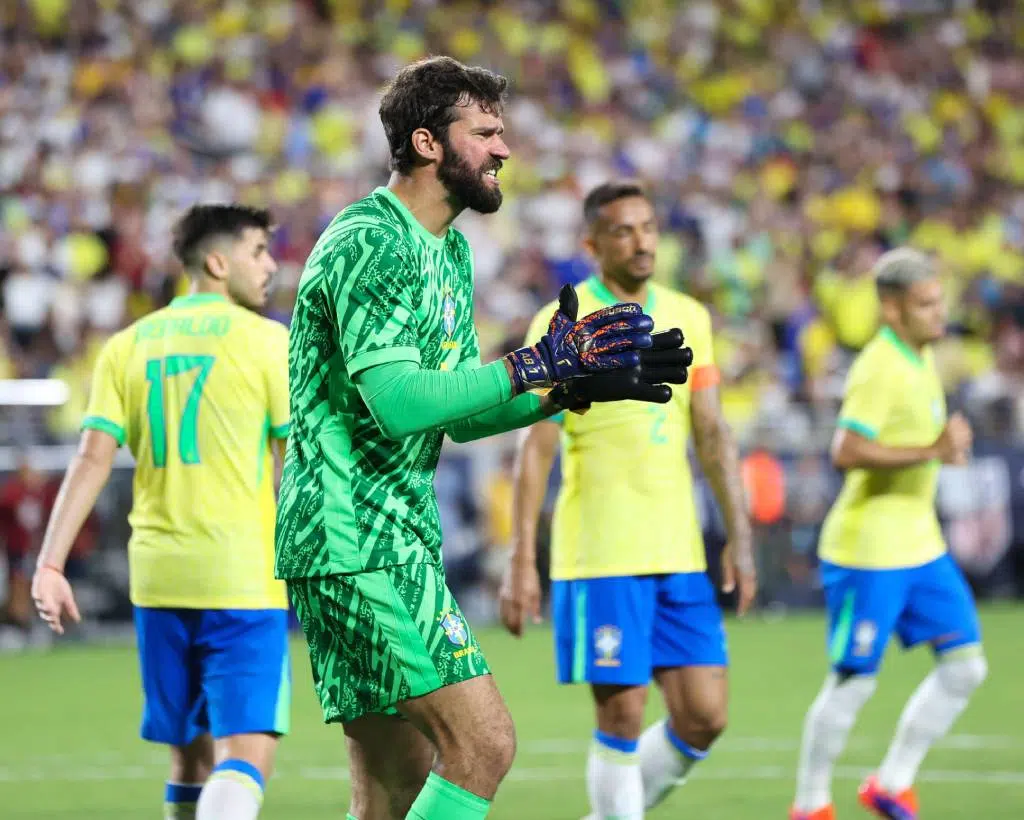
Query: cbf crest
455, 628
448, 319
607, 643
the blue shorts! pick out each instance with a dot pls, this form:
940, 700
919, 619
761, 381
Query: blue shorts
931, 603
223, 671
618, 630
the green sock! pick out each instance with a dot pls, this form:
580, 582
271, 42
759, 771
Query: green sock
350, 817
441, 800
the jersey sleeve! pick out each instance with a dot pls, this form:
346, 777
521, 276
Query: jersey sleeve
106, 410
375, 293
697, 333
866, 398
276, 374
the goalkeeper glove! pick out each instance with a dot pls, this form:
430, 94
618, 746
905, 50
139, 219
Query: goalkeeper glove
604, 340
664, 363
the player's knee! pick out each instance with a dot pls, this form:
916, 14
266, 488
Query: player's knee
713, 721
499, 750
842, 697
961, 675
192, 763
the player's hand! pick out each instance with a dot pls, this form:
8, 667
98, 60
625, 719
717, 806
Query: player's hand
738, 570
663, 364
954, 445
519, 599
604, 340
53, 598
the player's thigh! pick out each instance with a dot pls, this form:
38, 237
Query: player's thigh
690, 650
174, 705
247, 681
384, 636
940, 608
603, 630
862, 607
389, 760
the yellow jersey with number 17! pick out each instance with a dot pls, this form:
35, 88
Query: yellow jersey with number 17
197, 391
885, 519
626, 505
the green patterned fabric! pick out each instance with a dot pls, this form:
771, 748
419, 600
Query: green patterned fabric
380, 637
377, 288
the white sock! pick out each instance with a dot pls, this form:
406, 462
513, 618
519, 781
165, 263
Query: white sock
614, 783
826, 728
928, 715
665, 761
233, 792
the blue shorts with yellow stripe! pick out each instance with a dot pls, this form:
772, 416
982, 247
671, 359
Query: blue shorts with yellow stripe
618, 630
928, 603
222, 671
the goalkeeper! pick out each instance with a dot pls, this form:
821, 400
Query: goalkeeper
383, 363
631, 600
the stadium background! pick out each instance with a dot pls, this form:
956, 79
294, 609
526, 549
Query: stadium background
786, 145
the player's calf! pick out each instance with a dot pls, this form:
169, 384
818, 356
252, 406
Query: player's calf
234, 790
190, 766
826, 728
697, 698
614, 781
930, 714
389, 762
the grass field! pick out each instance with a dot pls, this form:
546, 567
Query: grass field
69, 745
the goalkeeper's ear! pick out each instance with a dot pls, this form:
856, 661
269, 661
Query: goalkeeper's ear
568, 302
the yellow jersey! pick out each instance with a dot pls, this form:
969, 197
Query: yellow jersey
626, 505
197, 391
885, 519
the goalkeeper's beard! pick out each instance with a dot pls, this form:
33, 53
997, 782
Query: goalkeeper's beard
466, 185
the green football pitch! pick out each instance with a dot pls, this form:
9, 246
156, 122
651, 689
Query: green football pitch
69, 746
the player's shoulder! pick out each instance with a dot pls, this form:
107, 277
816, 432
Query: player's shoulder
874, 363
117, 344
678, 301
374, 219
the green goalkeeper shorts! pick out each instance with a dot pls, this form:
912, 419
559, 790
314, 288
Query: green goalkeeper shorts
380, 637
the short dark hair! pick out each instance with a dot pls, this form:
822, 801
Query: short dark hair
201, 222
610, 192
425, 94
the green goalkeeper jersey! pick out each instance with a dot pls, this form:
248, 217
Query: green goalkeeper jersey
377, 288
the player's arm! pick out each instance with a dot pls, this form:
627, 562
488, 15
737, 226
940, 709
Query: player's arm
468, 403
103, 431
865, 410
375, 289
719, 458
86, 476
853, 449
520, 590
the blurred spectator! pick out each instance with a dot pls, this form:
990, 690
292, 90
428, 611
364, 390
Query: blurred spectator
785, 145
26, 499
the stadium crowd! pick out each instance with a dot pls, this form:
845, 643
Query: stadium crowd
787, 144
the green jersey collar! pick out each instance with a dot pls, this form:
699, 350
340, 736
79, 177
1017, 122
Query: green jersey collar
601, 292
435, 242
890, 336
194, 299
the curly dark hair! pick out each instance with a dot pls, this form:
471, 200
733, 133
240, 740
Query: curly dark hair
425, 95
201, 222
